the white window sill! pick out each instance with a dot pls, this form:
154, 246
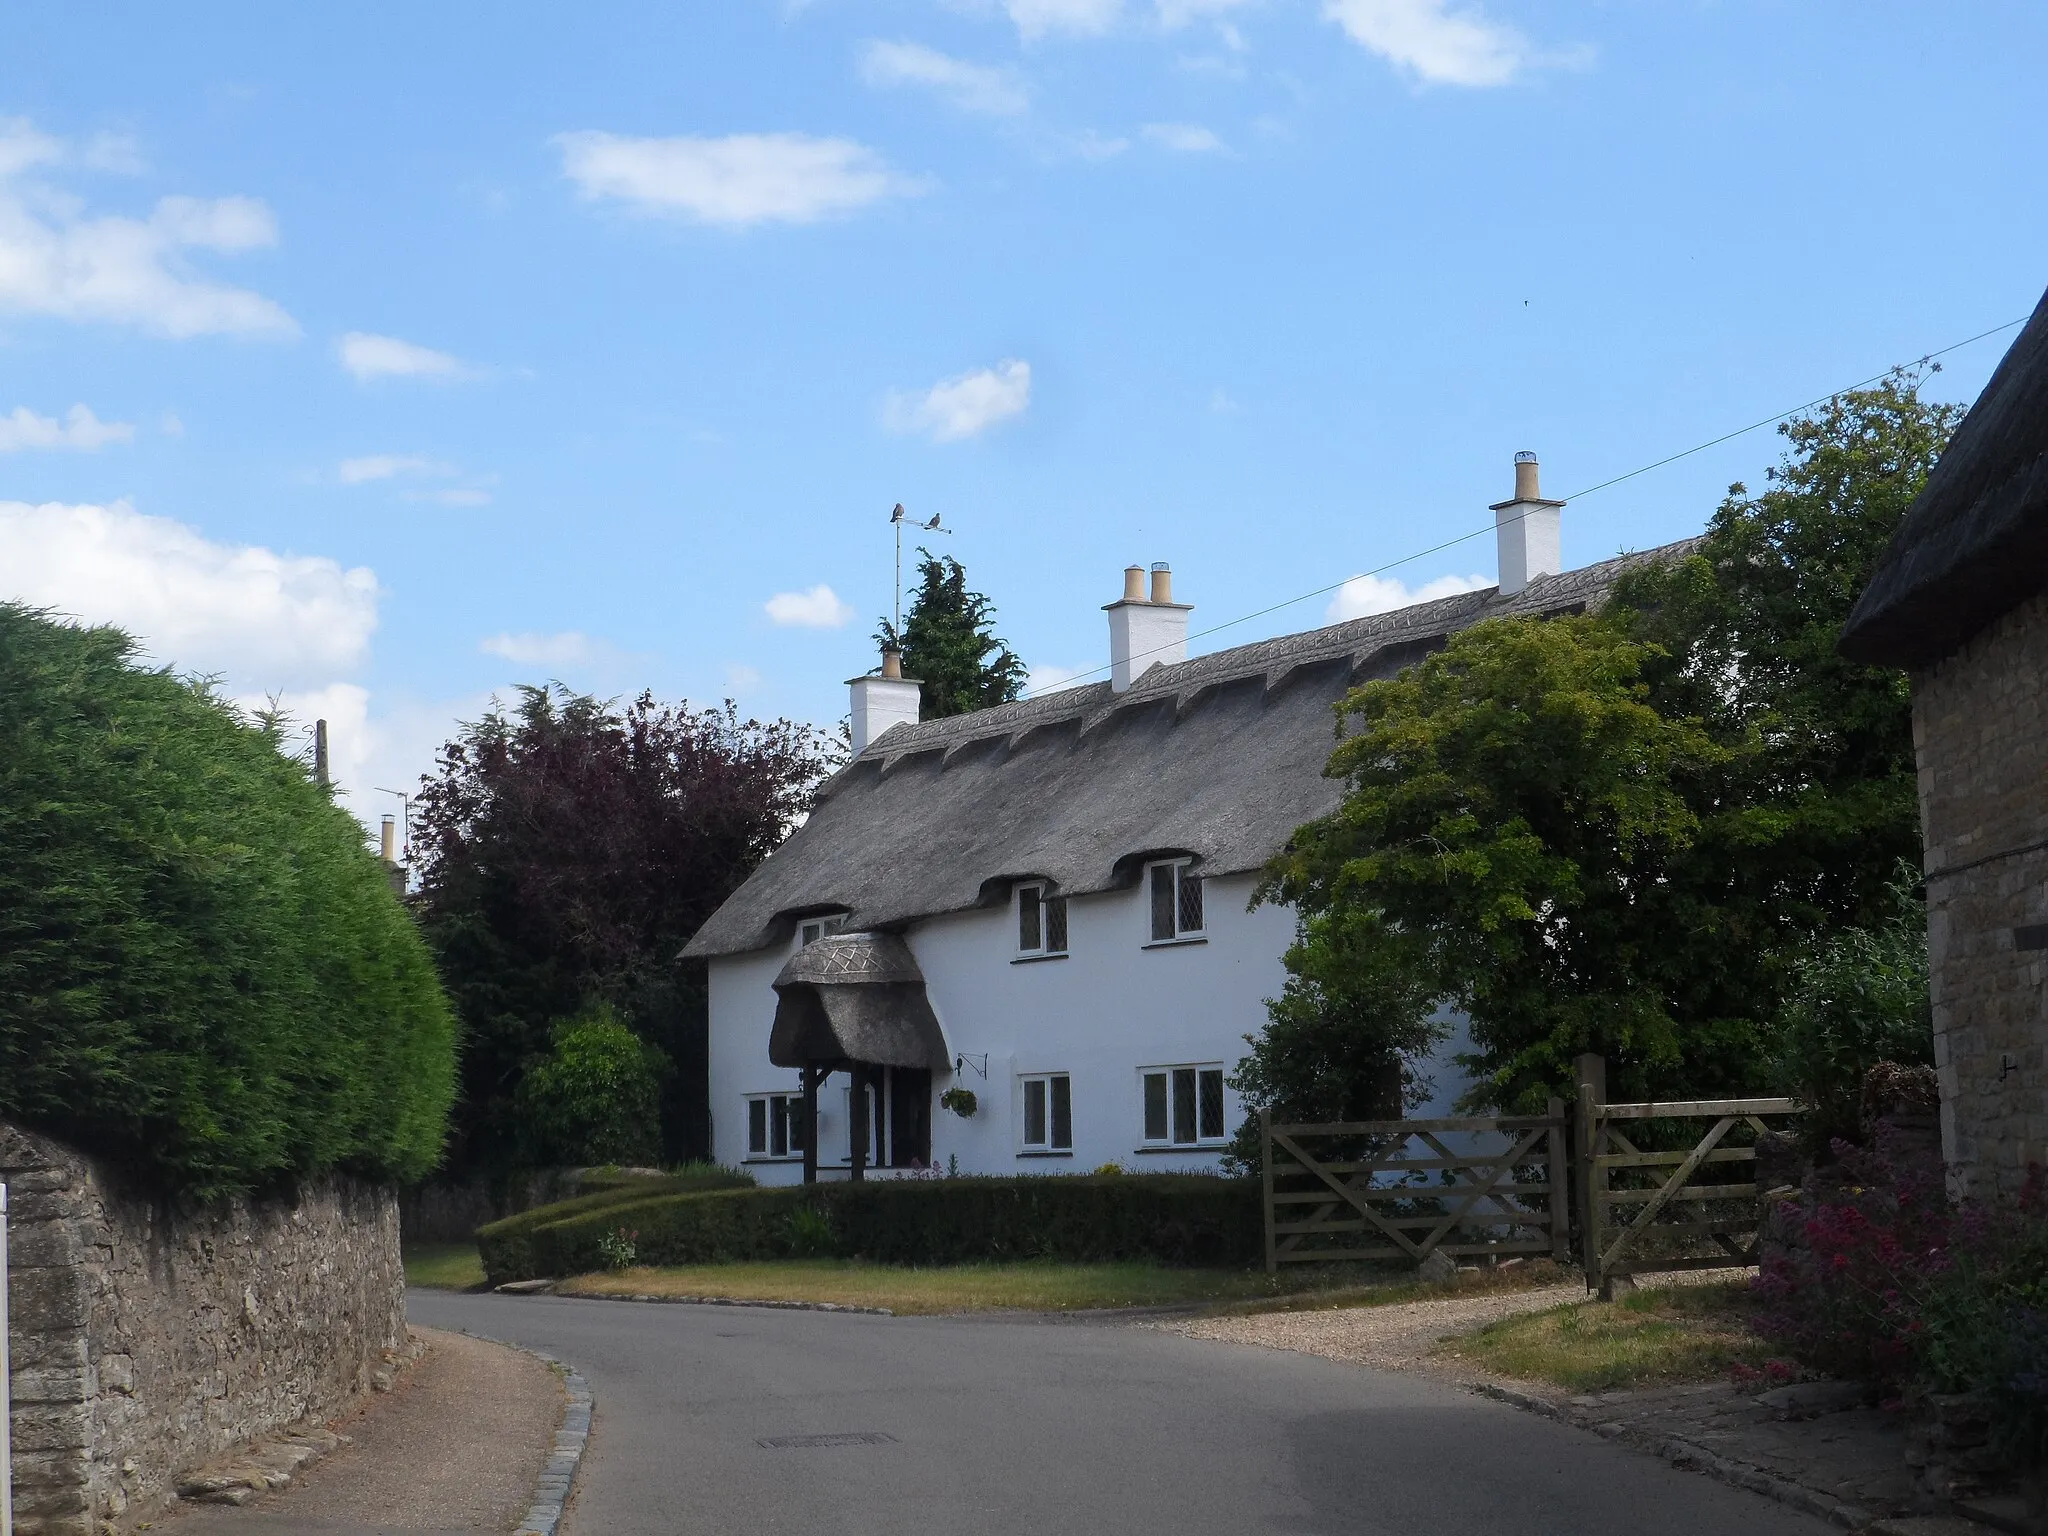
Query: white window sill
1045, 1152
1187, 938
770, 1157
1182, 1146
1034, 959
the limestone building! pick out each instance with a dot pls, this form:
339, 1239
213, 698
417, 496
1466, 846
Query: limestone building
1961, 600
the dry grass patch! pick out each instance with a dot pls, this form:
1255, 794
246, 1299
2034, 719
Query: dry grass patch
1653, 1337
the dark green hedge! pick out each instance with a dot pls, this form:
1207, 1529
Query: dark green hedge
1171, 1218
203, 971
509, 1235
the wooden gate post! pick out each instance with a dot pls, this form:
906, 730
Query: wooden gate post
1266, 1174
1560, 1204
1591, 1070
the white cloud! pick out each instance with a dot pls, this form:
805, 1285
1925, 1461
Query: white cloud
171, 425
567, 649
1047, 679
1362, 595
737, 181
1090, 145
1183, 138
819, 608
965, 404
262, 618
1081, 18
369, 356
116, 153
80, 429
384, 466
459, 496
741, 678
1436, 44
54, 261
1221, 403
22, 146
970, 87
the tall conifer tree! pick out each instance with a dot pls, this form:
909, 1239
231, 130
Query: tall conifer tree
948, 643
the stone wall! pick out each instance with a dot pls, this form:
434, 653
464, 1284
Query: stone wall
1980, 725
147, 1339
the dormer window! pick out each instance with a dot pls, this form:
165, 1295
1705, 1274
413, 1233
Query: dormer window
1041, 922
1176, 901
812, 929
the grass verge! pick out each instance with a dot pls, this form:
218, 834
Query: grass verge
444, 1266
1031, 1286
1652, 1337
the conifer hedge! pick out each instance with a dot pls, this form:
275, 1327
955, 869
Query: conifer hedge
204, 974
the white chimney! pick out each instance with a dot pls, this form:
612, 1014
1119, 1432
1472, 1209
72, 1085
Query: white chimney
1528, 531
1145, 632
881, 700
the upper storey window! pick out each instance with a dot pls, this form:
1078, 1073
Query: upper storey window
1176, 900
812, 929
1041, 922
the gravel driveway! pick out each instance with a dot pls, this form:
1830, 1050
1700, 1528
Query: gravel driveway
1395, 1337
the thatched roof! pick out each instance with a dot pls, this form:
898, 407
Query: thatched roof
1975, 544
1220, 757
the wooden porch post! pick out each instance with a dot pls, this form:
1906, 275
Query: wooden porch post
859, 1129
811, 1077
1266, 1173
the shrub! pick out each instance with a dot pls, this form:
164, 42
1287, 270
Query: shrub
1169, 1218
510, 1235
204, 974
596, 1096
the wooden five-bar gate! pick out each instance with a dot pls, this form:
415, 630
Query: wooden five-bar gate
1404, 1189
1648, 1187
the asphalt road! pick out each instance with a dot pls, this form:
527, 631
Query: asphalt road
981, 1426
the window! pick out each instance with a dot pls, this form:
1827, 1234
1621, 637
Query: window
1048, 1113
812, 929
775, 1125
1176, 902
1041, 922
1183, 1106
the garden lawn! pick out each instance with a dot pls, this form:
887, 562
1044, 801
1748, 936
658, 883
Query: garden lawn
1035, 1286
1652, 1337
444, 1266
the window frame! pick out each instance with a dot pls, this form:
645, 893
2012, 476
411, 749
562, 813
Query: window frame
1169, 1075
1048, 901
1049, 1114
790, 1117
1183, 877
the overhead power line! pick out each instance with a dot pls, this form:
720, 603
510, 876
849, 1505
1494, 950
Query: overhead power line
1452, 543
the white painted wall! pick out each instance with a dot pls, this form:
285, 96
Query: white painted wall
1111, 1007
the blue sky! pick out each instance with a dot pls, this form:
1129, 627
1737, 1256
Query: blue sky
389, 355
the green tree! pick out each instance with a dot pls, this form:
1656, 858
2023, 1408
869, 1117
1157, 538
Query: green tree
948, 643
1342, 1039
204, 973
1632, 832
596, 1096
1512, 804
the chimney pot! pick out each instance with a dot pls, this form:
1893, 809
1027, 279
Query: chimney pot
892, 663
1134, 584
320, 752
1527, 531
387, 836
1162, 582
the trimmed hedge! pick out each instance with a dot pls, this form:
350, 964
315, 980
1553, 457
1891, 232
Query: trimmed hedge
1168, 1218
204, 974
600, 1193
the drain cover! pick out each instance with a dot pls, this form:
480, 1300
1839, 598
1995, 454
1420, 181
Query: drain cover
813, 1442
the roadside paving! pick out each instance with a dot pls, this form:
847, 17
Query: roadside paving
734, 1418
454, 1449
